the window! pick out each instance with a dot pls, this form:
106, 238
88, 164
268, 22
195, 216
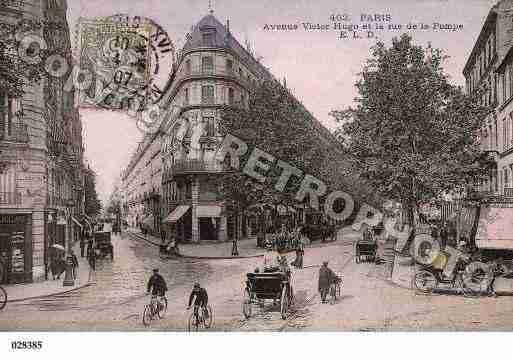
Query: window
504, 134
188, 67
506, 178
496, 143
229, 66
6, 115
240, 72
231, 96
207, 64
186, 96
209, 126
242, 99
503, 80
208, 39
207, 94
511, 127
510, 80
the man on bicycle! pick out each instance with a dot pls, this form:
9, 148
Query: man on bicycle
157, 284
200, 297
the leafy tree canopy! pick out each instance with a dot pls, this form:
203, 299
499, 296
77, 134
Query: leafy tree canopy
415, 134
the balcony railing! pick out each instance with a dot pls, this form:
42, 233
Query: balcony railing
13, 198
17, 132
508, 192
195, 166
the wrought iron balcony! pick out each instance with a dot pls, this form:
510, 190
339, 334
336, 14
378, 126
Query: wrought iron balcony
13, 198
195, 166
16, 132
508, 192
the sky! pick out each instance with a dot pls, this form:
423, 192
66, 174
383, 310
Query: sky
320, 67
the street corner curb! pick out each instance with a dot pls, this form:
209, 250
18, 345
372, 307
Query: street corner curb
51, 294
196, 257
226, 257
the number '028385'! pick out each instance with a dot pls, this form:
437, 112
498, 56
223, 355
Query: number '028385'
30, 345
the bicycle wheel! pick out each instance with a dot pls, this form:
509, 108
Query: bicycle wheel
284, 304
163, 308
209, 318
246, 304
147, 315
195, 323
3, 298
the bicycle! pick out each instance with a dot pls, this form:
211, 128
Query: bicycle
3, 298
335, 290
200, 321
155, 309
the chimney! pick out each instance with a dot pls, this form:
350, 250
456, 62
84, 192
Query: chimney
228, 25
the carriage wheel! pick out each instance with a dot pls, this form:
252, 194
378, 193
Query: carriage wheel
425, 281
246, 304
284, 303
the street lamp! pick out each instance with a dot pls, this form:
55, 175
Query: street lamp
68, 278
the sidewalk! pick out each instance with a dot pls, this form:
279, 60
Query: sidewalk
19, 292
247, 247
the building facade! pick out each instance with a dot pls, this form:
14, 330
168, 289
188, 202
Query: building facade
212, 70
489, 69
40, 156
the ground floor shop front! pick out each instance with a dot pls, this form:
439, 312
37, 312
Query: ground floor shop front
26, 241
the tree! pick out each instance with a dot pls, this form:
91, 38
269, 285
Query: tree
275, 122
93, 205
415, 135
15, 71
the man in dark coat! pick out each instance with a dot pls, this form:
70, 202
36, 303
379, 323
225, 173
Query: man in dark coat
74, 262
326, 277
157, 284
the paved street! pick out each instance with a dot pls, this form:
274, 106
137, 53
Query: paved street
368, 302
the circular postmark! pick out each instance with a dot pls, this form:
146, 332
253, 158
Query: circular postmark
127, 56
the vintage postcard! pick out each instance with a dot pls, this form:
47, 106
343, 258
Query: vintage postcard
242, 166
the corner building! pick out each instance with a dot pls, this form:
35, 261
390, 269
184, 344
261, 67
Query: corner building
212, 70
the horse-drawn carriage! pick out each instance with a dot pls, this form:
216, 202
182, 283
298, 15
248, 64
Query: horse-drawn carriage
265, 286
103, 245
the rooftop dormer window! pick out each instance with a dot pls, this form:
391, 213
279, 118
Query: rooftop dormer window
208, 38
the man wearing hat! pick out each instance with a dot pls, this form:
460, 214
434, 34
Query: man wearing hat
326, 277
200, 297
157, 284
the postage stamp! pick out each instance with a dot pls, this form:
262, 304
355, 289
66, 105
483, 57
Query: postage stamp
123, 54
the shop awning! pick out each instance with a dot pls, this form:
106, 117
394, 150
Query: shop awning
177, 213
208, 211
148, 221
76, 222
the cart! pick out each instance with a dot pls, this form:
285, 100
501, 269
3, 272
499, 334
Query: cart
265, 286
365, 250
104, 246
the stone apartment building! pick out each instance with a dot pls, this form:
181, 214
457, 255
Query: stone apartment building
40, 156
490, 68
173, 174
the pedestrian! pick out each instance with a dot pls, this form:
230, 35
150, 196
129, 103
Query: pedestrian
326, 277
443, 235
235, 250
91, 256
74, 263
298, 262
82, 244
